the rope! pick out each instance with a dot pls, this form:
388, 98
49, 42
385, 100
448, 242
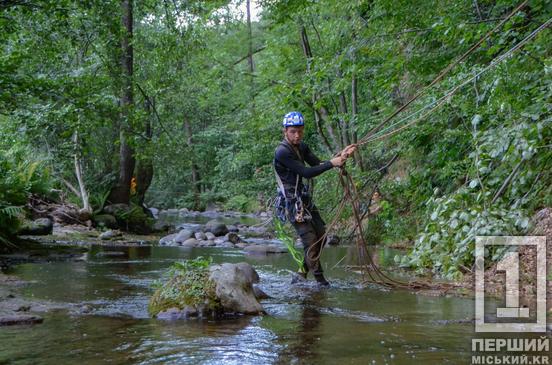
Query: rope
350, 192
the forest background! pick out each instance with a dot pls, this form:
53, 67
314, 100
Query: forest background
179, 104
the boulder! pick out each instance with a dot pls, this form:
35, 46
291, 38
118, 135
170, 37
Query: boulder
196, 289
190, 242
209, 236
232, 237
200, 236
183, 235
216, 227
265, 249
168, 240
38, 227
234, 287
106, 220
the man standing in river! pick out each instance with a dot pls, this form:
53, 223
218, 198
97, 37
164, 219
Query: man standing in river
297, 206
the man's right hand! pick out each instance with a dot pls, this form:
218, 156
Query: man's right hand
338, 161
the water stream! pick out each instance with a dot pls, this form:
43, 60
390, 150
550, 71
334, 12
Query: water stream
346, 324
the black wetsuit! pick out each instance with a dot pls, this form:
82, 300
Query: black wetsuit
289, 162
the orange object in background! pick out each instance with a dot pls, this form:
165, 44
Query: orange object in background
133, 186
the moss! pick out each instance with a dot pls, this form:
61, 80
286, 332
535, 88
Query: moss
188, 285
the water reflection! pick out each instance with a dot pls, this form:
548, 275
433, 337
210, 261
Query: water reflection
305, 350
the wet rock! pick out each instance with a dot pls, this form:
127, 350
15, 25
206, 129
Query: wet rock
168, 240
232, 237
234, 287
256, 231
200, 236
18, 319
183, 236
233, 228
248, 272
264, 249
38, 227
216, 227
174, 314
192, 227
209, 236
190, 242
106, 220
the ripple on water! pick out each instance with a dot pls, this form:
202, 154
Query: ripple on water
213, 343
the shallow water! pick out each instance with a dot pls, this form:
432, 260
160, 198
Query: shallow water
345, 324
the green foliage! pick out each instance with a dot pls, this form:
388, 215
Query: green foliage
215, 122
186, 284
289, 242
242, 203
20, 176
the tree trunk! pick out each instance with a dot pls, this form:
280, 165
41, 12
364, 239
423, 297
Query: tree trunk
78, 172
144, 168
121, 192
195, 170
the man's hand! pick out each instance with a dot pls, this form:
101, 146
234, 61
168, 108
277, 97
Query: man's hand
337, 161
348, 151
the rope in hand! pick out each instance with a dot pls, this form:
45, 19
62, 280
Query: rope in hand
365, 258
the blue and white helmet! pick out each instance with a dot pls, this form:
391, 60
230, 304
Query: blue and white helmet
293, 119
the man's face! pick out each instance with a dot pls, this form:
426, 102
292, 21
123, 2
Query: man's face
294, 134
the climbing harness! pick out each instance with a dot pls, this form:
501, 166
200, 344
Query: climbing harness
294, 208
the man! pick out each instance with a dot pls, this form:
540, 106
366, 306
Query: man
289, 163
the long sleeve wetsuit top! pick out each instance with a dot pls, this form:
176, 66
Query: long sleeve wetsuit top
289, 163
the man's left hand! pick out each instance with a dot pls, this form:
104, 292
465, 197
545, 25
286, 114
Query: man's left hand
348, 151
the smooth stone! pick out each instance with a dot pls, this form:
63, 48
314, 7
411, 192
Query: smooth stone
183, 236
265, 249
190, 242
200, 236
168, 240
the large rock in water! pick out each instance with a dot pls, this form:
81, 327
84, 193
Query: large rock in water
234, 287
197, 290
216, 227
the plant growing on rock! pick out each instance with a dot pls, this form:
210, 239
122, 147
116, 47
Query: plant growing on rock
188, 285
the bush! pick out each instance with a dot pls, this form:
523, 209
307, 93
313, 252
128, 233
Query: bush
19, 177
